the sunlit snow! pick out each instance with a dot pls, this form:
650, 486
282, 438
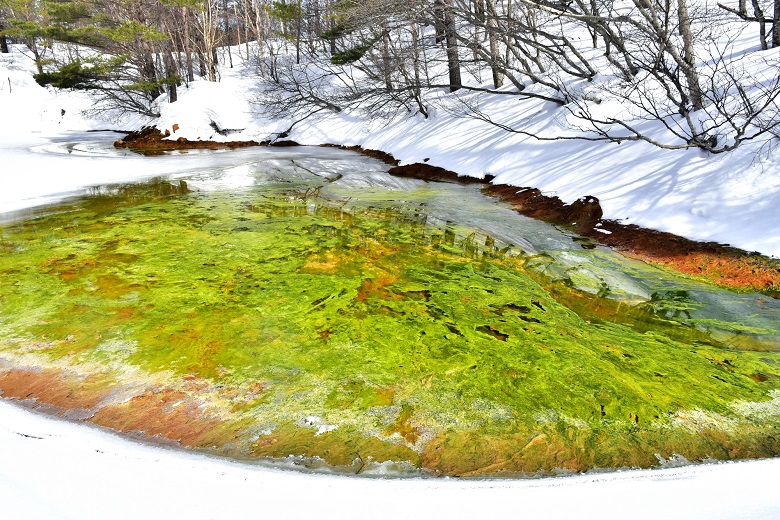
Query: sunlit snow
54, 469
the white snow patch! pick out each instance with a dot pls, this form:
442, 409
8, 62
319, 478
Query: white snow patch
54, 469
314, 421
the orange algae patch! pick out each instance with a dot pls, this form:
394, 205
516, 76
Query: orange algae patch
164, 413
475, 453
327, 263
125, 313
403, 425
377, 288
728, 270
52, 387
67, 270
111, 286
170, 414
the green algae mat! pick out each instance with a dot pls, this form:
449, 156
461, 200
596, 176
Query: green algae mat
285, 320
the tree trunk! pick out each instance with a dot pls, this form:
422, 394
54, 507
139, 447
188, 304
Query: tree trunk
416, 64
226, 29
149, 73
759, 14
444, 8
386, 63
36, 55
246, 33
317, 20
201, 64
260, 19
495, 57
171, 72
332, 23
776, 25
689, 68
438, 20
210, 37
298, 32
509, 12
594, 8
188, 44
213, 64
3, 41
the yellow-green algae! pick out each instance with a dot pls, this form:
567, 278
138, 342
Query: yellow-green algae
372, 335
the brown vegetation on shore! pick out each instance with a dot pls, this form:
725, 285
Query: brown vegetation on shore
150, 141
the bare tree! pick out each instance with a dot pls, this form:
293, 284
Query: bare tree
687, 60
709, 101
496, 66
758, 16
209, 36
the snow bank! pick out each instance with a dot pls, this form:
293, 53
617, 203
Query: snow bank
53, 469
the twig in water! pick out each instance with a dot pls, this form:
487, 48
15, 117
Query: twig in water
362, 464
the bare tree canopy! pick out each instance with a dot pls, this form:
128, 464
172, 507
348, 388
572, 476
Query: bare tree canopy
667, 62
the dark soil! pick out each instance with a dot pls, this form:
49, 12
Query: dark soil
150, 141
433, 173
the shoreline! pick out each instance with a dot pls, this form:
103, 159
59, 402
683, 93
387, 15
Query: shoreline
720, 264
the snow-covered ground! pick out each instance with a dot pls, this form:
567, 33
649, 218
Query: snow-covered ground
54, 469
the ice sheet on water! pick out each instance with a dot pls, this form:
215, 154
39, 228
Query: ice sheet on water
81, 147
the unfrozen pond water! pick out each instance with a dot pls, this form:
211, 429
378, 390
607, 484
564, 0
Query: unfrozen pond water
303, 302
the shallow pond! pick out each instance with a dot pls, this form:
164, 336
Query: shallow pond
303, 303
